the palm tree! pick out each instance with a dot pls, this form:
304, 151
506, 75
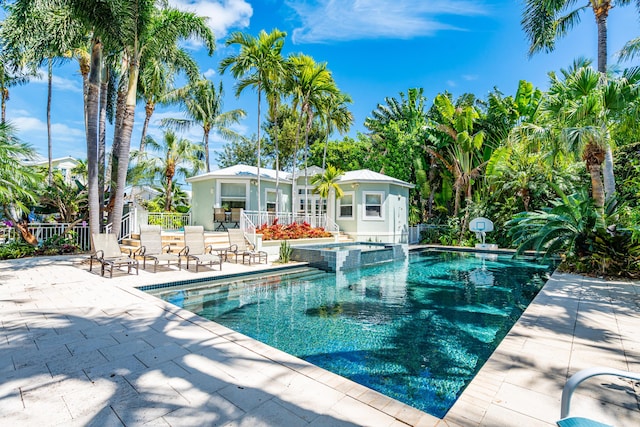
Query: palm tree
203, 103
461, 155
579, 112
258, 61
11, 74
159, 64
310, 84
19, 182
546, 21
43, 33
326, 182
337, 117
177, 157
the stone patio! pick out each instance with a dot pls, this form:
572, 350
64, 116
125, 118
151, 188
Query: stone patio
77, 349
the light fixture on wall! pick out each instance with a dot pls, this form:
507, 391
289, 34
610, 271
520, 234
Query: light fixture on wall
254, 182
355, 185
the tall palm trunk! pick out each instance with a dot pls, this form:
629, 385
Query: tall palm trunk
294, 183
92, 108
112, 169
124, 148
206, 129
594, 156
102, 137
5, 98
49, 144
275, 121
601, 11
149, 108
259, 158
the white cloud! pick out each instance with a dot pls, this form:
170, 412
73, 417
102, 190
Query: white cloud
327, 20
59, 83
209, 73
451, 83
66, 140
222, 14
470, 77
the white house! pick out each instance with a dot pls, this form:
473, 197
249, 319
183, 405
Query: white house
64, 165
374, 206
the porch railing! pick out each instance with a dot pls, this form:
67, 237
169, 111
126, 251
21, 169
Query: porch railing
168, 220
127, 226
286, 218
248, 226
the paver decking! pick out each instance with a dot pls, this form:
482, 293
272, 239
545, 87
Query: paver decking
77, 349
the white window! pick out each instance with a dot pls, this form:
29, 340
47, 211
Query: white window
233, 195
345, 206
373, 205
271, 201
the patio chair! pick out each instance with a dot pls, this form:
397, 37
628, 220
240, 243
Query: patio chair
235, 217
245, 249
196, 250
151, 247
220, 216
573, 382
109, 255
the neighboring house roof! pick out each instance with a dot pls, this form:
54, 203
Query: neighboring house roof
241, 171
366, 175
41, 161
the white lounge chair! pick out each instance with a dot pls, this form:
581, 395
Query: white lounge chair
109, 255
196, 250
151, 247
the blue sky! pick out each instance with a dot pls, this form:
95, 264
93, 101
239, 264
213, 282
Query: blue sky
375, 49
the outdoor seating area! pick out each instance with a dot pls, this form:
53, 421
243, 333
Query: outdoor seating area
224, 219
192, 250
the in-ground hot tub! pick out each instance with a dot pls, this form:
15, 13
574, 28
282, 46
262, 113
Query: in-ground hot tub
346, 256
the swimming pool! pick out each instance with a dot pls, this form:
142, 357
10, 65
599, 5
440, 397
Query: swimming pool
416, 330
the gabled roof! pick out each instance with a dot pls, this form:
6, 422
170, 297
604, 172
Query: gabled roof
241, 171
366, 175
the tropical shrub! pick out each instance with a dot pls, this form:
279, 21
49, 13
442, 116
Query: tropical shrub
58, 245
575, 229
277, 231
16, 249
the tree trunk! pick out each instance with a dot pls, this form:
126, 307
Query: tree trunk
601, 21
148, 112
596, 184
206, 130
259, 158
125, 145
91, 108
275, 121
102, 137
167, 197
23, 227
112, 169
49, 144
5, 97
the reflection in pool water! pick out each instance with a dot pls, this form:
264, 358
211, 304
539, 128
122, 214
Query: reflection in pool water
416, 330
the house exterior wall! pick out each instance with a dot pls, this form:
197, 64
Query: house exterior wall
202, 203
392, 223
206, 195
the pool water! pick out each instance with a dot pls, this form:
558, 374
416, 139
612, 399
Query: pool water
416, 330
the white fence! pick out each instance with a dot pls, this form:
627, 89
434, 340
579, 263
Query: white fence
415, 233
43, 231
169, 220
